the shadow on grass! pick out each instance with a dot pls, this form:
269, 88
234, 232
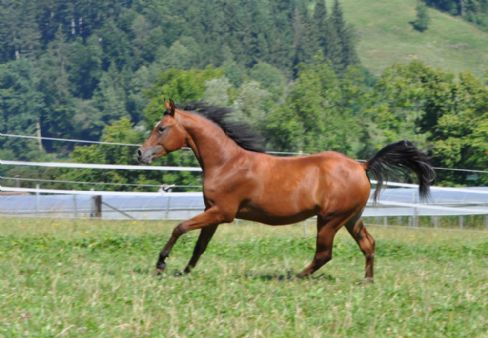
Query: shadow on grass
262, 276
153, 272
143, 270
288, 276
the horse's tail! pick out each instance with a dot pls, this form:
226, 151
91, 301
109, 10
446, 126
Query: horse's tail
401, 156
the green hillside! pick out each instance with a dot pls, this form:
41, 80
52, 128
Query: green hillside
386, 37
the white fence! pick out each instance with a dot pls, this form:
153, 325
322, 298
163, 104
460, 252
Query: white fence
398, 200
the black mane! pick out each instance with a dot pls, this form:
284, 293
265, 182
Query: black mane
241, 133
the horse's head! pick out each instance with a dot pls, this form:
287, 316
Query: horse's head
167, 135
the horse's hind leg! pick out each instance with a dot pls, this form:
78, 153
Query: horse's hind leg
204, 238
326, 230
366, 243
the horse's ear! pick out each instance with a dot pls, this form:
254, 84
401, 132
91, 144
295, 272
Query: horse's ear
170, 107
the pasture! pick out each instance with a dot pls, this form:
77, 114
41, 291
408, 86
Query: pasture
95, 279
385, 39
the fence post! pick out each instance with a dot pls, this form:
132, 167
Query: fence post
168, 204
37, 198
96, 206
75, 206
435, 220
416, 212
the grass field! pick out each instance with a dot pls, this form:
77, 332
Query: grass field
385, 37
95, 279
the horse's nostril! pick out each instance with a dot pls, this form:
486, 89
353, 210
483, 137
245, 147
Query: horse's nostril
139, 152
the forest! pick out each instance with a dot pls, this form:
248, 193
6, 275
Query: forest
99, 70
475, 11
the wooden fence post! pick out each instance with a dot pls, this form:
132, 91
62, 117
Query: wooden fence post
96, 206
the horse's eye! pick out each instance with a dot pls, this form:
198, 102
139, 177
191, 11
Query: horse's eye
161, 129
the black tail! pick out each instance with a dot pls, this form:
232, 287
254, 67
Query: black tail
401, 156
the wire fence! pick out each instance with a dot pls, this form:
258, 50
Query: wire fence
396, 205
397, 202
273, 152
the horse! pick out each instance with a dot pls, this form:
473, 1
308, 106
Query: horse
241, 181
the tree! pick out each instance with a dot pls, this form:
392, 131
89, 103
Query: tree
270, 78
110, 96
280, 34
341, 49
400, 97
119, 131
421, 23
284, 130
236, 73
21, 106
55, 87
317, 117
140, 81
320, 27
183, 54
474, 11
301, 38
252, 104
437, 111
85, 67
146, 41
116, 46
217, 92
182, 86
18, 30
460, 135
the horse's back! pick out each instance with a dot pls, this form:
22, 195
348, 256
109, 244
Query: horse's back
328, 165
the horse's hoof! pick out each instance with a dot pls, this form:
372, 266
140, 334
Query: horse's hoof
302, 275
368, 280
160, 267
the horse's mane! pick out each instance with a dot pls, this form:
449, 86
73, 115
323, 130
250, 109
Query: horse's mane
240, 132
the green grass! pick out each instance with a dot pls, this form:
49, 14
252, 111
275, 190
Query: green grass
385, 37
95, 279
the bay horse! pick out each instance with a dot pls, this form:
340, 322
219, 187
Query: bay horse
241, 181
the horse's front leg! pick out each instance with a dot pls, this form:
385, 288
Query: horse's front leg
211, 217
206, 235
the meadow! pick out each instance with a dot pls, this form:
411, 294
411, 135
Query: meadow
95, 279
386, 37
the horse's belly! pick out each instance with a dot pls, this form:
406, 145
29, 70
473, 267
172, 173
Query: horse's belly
274, 217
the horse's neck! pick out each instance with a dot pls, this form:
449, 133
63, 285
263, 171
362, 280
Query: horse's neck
211, 146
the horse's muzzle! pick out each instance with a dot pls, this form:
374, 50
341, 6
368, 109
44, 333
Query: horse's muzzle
145, 156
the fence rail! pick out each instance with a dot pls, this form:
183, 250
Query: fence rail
398, 200
394, 202
98, 166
